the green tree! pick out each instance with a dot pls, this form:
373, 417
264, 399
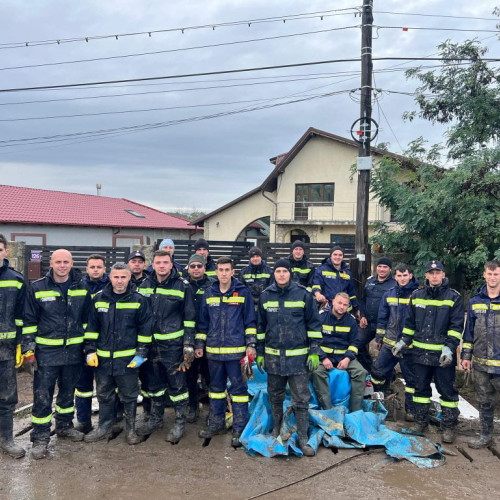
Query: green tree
452, 214
465, 93
447, 214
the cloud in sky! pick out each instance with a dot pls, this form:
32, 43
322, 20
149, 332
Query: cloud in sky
196, 163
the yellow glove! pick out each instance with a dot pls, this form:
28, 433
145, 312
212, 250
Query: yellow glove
92, 359
19, 356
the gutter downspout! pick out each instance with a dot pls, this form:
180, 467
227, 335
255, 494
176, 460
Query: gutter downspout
262, 192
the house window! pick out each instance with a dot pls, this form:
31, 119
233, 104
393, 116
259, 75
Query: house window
307, 195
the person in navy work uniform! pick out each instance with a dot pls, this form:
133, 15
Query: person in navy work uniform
433, 327
227, 331
481, 349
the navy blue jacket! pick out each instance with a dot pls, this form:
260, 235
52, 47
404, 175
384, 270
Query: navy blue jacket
289, 329
227, 323
12, 295
94, 286
373, 292
435, 319
55, 323
330, 281
119, 328
392, 313
340, 337
173, 309
198, 288
482, 332
302, 271
256, 278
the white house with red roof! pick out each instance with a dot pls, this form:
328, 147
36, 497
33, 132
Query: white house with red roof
44, 217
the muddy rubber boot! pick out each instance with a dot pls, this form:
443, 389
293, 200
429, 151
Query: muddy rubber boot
130, 411
235, 440
448, 435
192, 414
40, 449
418, 428
177, 431
155, 420
70, 433
104, 429
486, 437
7, 442
277, 419
84, 427
212, 429
302, 421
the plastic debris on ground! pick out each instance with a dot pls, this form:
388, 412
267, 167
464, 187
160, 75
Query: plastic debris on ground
331, 428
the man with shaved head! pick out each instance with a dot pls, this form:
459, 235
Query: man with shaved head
56, 311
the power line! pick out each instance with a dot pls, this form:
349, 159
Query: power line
150, 126
212, 26
423, 28
436, 15
241, 70
182, 49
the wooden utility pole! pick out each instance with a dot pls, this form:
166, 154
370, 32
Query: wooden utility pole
363, 251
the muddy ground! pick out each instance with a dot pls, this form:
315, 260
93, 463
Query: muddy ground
156, 469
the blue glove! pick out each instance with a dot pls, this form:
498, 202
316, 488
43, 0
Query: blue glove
136, 362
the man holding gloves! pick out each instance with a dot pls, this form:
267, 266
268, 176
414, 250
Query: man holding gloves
433, 327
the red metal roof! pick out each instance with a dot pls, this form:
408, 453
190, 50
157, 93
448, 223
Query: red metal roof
39, 206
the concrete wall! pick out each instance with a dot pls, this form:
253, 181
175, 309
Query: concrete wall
89, 236
227, 225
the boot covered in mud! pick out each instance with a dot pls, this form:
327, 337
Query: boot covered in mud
104, 430
302, 421
130, 410
155, 420
7, 444
485, 439
40, 449
177, 431
212, 429
277, 419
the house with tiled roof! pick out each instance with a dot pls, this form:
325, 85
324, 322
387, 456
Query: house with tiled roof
310, 194
44, 217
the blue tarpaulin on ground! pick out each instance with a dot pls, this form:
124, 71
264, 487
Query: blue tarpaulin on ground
332, 428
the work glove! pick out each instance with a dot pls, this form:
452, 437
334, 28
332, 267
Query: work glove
446, 357
261, 364
136, 362
313, 362
19, 356
30, 360
187, 359
246, 367
92, 359
397, 350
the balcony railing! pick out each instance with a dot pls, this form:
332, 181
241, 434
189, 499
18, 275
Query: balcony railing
309, 212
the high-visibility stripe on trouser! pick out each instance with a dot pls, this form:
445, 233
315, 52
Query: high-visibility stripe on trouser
41, 420
45, 380
65, 411
217, 395
220, 372
83, 394
180, 397
421, 400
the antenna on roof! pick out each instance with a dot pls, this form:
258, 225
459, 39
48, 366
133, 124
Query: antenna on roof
98, 186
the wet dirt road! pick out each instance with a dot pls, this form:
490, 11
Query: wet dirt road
156, 469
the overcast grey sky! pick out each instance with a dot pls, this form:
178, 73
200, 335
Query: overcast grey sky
187, 162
